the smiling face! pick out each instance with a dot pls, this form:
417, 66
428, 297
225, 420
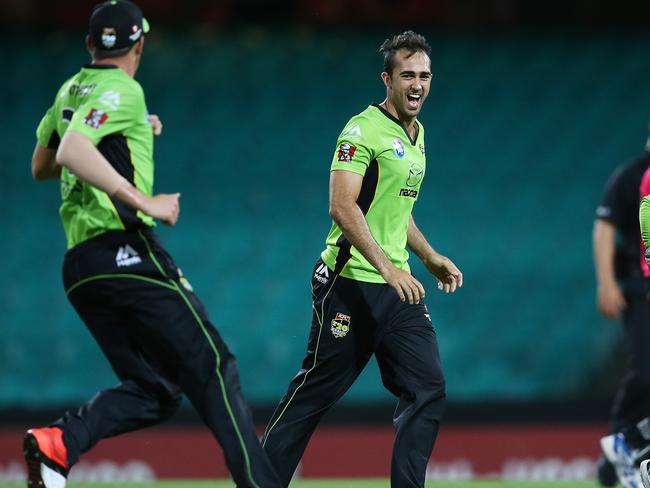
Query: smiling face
408, 84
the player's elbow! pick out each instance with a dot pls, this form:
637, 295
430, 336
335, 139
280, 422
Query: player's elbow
38, 172
336, 211
63, 153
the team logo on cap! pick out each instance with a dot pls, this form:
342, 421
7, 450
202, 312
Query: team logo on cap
109, 37
137, 32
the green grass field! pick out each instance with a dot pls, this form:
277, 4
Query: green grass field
331, 484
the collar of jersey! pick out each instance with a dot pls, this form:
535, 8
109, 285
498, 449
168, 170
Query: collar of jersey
99, 66
398, 122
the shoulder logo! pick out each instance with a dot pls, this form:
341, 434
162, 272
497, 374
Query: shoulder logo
346, 152
398, 148
127, 256
353, 133
95, 118
340, 325
109, 37
111, 99
603, 212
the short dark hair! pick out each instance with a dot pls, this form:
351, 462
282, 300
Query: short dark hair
115, 53
406, 40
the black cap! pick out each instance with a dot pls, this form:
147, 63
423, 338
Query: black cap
116, 24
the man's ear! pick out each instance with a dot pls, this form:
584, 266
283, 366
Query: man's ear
385, 77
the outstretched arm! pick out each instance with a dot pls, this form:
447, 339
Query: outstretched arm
344, 191
78, 154
449, 276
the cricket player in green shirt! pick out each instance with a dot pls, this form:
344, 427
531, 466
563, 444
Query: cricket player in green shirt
98, 139
365, 300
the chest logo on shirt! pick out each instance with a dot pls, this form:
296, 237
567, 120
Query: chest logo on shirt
340, 325
416, 171
346, 152
398, 148
95, 118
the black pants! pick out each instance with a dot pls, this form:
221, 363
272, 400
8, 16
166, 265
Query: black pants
157, 337
351, 321
632, 401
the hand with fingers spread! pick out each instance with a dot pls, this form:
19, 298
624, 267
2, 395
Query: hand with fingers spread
407, 287
449, 276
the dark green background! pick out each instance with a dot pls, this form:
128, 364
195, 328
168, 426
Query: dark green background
522, 132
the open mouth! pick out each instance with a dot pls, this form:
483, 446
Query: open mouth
413, 101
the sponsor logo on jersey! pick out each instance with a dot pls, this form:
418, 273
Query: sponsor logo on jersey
352, 133
109, 37
80, 90
408, 192
322, 274
416, 171
346, 152
340, 325
111, 99
422, 149
398, 148
127, 256
95, 118
69, 185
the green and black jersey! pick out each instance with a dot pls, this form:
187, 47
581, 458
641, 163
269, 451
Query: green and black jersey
375, 145
108, 106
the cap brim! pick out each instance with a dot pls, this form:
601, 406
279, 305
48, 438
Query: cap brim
145, 25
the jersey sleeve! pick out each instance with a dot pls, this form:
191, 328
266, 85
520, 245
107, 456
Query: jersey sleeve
618, 189
108, 111
352, 153
46, 134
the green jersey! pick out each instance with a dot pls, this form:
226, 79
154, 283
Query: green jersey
106, 105
375, 145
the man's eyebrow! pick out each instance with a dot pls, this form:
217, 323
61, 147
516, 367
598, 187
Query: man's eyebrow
411, 72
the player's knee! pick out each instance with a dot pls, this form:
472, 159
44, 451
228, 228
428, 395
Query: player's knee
434, 390
170, 403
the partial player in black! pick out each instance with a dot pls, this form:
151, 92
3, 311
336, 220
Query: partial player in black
133, 298
365, 299
622, 294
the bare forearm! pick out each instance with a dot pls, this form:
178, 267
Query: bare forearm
419, 244
44, 165
353, 224
604, 250
78, 154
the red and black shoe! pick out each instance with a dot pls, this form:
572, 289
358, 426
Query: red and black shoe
46, 458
